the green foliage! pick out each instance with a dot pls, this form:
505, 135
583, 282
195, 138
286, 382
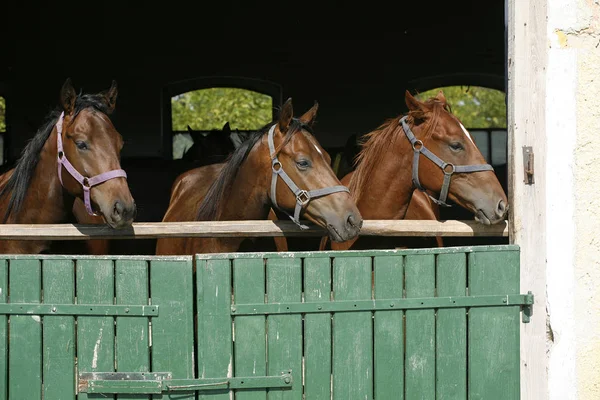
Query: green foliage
475, 106
2, 114
209, 109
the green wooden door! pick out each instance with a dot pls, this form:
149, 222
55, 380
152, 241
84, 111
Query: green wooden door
410, 324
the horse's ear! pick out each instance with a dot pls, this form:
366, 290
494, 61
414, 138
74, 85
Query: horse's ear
412, 103
286, 115
226, 128
309, 117
440, 97
110, 96
68, 97
190, 130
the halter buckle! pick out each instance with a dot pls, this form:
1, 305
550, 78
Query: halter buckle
451, 171
303, 197
417, 145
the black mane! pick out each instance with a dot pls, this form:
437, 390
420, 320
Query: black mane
215, 197
25, 167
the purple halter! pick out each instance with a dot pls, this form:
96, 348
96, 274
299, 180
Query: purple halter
85, 182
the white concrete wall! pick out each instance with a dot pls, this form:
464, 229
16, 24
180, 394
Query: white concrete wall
573, 199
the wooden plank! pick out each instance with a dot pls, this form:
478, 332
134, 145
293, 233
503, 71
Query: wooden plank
451, 329
173, 330
215, 347
389, 330
284, 340
262, 228
493, 369
420, 329
3, 332
528, 217
352, 331
59, 331
95, 335
317, 330
25, 337
250, 331
132, 341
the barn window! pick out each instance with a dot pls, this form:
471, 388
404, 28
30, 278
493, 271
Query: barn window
205, 110
207, 104
483, 112
2, 127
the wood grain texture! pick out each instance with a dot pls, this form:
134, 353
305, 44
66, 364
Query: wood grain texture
154, 230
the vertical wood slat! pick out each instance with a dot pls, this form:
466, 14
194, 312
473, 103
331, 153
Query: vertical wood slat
132, 342
3, 332
95, 335
451, 329
58, 279
284, 284
215, 349
171, 284
389, 330
250, 348
493, 369
25, 337
420, 329
317, 330
352, 331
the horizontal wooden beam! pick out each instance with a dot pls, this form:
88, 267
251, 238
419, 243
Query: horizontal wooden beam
153, 230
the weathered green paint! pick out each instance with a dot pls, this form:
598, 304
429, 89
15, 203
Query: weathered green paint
389, 332
59, 331
250, 348
352, 332
317, 329
284, 332
3, 332
215, 348
493, 369
25, 339
132, 347
173, 331
95, 335
433, 323
420, 328
451, 329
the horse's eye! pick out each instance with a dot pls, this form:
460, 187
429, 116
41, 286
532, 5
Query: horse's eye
456, 146
81, 145
303, 164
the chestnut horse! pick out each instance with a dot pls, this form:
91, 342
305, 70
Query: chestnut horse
280, 166
75, 154
428, 149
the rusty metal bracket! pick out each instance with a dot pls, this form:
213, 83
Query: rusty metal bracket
528, 170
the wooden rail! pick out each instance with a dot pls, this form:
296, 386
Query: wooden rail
153, 230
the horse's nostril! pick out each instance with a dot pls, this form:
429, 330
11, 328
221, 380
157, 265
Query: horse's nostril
353, 221
501, 208
118, 208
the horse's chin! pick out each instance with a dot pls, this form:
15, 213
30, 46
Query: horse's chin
120, 224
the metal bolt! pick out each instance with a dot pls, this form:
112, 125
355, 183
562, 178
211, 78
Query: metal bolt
504, 300
287, 379
391, 304
126, 310
319, 308
233, 309
53, 309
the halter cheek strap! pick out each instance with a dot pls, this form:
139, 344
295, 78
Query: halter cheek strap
85, 182
303, 197
447, 168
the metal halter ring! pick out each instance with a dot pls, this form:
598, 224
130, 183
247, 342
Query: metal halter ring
451, 170
276, 166
303, 197
86, 183
417, 143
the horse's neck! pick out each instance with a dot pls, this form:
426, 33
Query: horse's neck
388, 190
45, 201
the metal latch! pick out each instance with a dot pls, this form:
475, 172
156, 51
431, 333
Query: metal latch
159, 382
528, 170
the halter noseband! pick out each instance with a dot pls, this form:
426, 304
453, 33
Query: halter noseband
447, 168
85, 182
302, 196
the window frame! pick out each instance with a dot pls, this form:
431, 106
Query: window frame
265, 87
